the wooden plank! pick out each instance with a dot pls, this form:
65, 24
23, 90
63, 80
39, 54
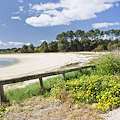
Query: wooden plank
35, 76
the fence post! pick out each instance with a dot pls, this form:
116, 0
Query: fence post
93, 67
2, 97
42, 89
63, 74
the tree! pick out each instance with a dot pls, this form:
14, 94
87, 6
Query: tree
99, 48
63, 35
24, 49
75, 45
86, 44
70, 35
53, 46
79, 40
80, 34
94, 34
43, 47
30, 48
113, 46
63, 45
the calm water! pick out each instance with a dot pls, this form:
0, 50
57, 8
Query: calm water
6, 62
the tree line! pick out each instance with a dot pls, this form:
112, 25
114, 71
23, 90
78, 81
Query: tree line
75, 41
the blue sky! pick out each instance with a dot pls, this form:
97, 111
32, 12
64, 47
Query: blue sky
32, 21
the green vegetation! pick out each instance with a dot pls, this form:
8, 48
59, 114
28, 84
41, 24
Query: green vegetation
108, 65
100, 87
102, 90
2, 111
75, 41
21, 94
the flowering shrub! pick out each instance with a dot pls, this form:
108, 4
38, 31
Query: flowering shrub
102, 90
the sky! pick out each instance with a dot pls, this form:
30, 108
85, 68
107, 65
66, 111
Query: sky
33, 21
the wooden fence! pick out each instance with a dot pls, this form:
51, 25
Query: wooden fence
36, 76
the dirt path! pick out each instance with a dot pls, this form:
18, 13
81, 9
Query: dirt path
113, 115
37, 109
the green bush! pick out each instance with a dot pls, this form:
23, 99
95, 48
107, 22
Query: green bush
77, 74
57, 88
2, 111
51, 82
102, 90
108, 65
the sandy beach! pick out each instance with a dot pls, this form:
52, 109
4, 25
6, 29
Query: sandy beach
38, 63
29, 64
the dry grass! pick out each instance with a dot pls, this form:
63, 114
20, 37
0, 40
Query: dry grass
38, 108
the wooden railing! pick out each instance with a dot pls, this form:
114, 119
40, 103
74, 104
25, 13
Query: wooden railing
36, 76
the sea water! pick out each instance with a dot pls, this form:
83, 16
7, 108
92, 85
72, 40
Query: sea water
4, 62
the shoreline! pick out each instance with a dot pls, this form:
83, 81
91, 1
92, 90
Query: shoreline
43, 62
14, 61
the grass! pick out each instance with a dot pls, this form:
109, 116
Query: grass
100, 87
21, 94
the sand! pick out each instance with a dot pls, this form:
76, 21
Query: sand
29, 64
113, 115
38, 63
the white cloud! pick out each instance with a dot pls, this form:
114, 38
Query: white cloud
17, 13
67, 11
47, 6
105, 24
4, 25
15, 18
20, 1
41, 41
2, 43
117, 4
30, 5
15, 43
12, 44
21, 8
